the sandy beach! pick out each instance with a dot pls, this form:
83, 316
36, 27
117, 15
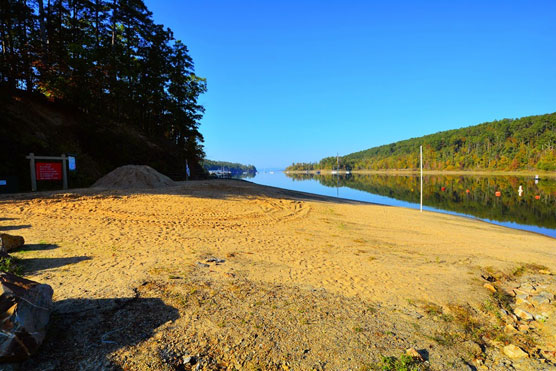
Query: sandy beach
228, 274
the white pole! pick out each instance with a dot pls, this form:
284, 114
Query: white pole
421, 155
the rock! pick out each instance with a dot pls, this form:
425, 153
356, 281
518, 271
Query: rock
547, 294
203, 265
542, 298
514, 352
523, 314
412, 352
527, 287
489, 287
523, 328
25, 311
10, 242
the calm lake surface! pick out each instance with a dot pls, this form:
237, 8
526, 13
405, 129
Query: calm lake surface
472, 196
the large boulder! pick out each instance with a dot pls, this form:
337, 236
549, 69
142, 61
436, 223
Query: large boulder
10, 242
25, 308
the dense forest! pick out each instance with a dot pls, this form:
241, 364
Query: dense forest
511, 144
233, 167
108, 60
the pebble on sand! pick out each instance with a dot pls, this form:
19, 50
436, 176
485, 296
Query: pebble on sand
513, 351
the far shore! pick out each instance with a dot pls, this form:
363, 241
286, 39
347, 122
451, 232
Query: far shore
541, 174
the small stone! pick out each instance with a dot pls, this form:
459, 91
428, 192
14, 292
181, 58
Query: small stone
488, 277
523, 314
9, 242
514, 352
215, 260
412, 352
523, 328
521, 299
509, 329
191, 360
489, 287
203, 265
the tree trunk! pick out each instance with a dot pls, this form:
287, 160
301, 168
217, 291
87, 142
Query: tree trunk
42, 26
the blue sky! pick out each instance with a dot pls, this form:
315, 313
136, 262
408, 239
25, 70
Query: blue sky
300, 80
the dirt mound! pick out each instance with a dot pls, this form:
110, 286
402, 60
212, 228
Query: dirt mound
133, 177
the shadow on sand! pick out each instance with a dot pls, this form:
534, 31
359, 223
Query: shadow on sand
83, 332
33, 265
38, 247
14, 227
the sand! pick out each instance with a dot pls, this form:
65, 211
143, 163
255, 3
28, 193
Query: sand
342, 256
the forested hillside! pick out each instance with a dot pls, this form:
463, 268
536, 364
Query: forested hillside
233, 167
109, 61
526, 143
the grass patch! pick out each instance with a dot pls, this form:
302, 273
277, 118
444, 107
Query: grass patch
446, 339
531, 267
503, 299
519, 271
432, 309
401, 363
11, 265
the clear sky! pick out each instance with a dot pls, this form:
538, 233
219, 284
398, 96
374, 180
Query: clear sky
295, 80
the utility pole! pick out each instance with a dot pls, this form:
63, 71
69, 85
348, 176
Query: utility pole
421, 156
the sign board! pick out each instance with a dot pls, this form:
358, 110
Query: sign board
71, 163
48, 170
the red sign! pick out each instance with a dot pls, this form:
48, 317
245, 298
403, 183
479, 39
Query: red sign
48, 170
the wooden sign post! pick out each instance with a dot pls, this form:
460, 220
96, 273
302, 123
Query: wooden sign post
42, 170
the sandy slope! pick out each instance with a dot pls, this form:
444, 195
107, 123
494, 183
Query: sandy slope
95, 246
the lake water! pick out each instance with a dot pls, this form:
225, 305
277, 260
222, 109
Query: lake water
472, 196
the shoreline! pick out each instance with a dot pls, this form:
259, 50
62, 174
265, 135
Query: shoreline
527, 173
